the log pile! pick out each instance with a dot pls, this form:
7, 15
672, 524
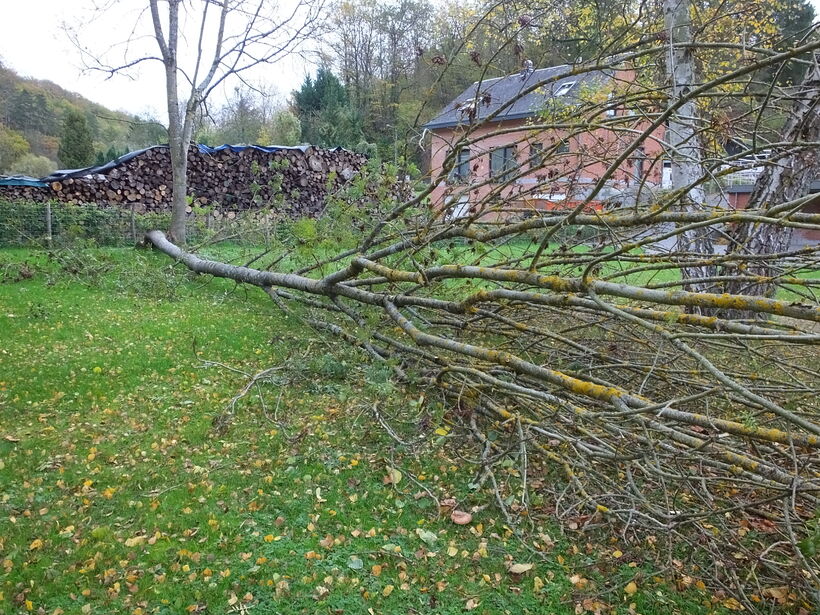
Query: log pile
228, 181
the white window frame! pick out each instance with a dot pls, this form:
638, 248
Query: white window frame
564, 88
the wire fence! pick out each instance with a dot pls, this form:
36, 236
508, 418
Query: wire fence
28, 224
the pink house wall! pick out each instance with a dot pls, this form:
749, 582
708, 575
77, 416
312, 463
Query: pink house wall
590, 155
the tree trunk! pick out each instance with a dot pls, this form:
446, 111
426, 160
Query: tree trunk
179, 203
177, 143
683, 140
787, 176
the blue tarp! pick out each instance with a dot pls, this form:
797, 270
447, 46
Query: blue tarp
21, 180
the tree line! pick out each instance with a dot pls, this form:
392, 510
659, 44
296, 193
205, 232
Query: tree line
389, 65
43, 126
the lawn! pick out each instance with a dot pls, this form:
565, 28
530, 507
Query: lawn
118, 495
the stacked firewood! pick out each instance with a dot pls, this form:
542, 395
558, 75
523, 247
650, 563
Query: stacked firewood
228, 181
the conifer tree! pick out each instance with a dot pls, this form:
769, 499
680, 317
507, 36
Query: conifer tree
76, 148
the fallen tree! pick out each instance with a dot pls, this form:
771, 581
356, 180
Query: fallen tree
572, 345
652, 419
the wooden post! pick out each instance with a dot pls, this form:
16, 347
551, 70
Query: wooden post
133, 223
48, 224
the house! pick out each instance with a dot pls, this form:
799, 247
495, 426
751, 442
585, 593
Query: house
517, 144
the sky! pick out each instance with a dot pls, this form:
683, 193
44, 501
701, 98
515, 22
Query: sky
34, 43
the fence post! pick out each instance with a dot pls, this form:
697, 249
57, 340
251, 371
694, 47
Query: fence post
133, 223
48, 224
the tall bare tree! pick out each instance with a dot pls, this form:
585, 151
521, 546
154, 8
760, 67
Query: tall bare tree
683, 135
202, 45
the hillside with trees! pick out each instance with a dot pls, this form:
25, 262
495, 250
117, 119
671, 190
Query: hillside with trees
39, 120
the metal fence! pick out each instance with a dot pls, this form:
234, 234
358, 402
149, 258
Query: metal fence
25, 224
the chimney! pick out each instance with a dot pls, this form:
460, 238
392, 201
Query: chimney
527, 70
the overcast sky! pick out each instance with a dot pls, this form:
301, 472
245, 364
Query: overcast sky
34, 43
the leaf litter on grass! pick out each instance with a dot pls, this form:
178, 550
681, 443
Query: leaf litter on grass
119, 497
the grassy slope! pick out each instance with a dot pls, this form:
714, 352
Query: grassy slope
117, 496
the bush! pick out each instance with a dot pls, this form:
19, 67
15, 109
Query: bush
33, 165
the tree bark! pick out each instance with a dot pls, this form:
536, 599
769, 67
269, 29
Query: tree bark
683, 140
786, 177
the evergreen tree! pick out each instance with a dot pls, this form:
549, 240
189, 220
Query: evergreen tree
76, 148
325, 113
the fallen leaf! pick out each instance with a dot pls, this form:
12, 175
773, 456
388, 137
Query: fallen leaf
472, 603
459, 517
733, 605
35, 544
429, 537
355, 563
630, 588
520, 568
387, 590
393, 477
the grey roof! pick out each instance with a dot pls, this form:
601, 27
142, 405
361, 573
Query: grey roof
504, 89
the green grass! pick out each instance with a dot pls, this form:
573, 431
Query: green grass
118, 496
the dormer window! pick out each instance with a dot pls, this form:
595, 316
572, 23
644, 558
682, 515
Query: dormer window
564, 88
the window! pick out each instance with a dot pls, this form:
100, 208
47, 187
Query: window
611, 111
461, 170
536, 155
637, 164
564, 88
503, 163
562, 148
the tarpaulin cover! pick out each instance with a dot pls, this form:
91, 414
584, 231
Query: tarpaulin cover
20, 180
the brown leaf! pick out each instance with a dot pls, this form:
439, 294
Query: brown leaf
459, 517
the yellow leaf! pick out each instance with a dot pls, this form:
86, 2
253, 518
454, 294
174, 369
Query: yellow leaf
135, 541
376, 570
393, 477
387, 590
35, 544
630, 588
537, 584
441, 431
733, 605
616, 554
452, 551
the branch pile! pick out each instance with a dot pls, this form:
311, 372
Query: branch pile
231, 181
634, 381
